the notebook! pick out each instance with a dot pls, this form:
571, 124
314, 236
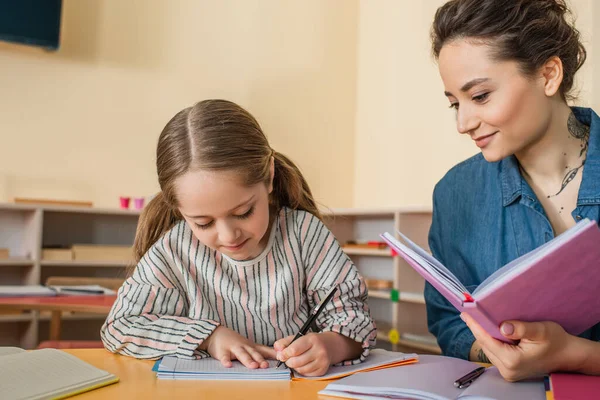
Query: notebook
210, 369
432, 378
564, 386
556, 282
47, 374
25, 291
82, 290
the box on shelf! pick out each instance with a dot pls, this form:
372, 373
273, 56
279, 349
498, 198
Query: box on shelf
88, 252
57, 254
379, 284
4, 253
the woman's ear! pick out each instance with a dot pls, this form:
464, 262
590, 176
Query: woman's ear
272, 173
552, 72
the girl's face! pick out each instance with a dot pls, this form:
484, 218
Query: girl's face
224, 214
503, 111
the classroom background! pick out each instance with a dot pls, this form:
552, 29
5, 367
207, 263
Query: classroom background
346, 88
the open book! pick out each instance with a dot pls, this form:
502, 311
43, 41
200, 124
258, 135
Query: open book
432, 378
47, 374
210, 369
557, 282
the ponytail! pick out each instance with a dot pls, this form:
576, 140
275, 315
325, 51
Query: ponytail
156, 219
290, 189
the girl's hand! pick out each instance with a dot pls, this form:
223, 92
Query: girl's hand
308, 355
542, 347
226, 345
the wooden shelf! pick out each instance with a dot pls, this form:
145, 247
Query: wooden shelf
16, 262
367, 252
405, 297
16, 317
97, 264
66, 316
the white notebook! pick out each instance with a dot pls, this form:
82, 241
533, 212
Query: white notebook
25, 291
210, 369
46, 374
432, 378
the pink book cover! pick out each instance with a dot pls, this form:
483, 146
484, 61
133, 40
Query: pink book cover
557, 282
574, 386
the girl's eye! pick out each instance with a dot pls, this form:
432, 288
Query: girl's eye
481, 98
205, 226
454, 105
247, 214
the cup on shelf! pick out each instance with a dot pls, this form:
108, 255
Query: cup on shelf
138, 203
124, 202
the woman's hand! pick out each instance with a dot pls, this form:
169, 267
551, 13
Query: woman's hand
312, 354
542, 347
226, 345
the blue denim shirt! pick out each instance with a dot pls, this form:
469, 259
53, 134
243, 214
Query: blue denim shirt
486, 215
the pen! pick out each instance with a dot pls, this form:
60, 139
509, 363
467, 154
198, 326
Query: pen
312, 317
82, 290
465, 381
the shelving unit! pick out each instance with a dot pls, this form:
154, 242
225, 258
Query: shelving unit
400, 312
25, 230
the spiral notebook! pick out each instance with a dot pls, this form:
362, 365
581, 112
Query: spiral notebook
210, 369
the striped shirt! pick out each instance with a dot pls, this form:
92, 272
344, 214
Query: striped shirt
181, 290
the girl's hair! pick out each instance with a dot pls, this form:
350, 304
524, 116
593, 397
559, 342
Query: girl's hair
216, 135
529, 32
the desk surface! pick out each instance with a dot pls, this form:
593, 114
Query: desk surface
137, 381
88, 304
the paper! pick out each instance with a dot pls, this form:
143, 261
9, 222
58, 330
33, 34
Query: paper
377, 359
25, 291
433, 378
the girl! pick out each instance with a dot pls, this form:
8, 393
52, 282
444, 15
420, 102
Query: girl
232, 255
508, 67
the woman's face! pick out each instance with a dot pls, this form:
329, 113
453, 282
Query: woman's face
501, 109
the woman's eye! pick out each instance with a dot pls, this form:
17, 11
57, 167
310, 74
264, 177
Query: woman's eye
481, 98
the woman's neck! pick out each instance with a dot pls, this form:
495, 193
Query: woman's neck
559, 155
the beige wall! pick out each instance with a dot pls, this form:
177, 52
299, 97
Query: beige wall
405, 133
82, 123
346, 88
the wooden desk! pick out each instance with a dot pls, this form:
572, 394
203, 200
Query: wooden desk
137, 381
56, 305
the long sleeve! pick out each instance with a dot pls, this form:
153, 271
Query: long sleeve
150, 316
327, 265
453, 335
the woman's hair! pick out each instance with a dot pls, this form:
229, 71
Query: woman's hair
529, 32
216, 135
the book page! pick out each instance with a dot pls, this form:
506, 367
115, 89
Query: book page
376, 358
25, 290
4, 351
47, 372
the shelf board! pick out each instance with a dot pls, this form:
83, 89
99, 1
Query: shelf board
16, 317
99, 264
68, 209
405, 297
16, 262
373, 212
68, 316
367, 252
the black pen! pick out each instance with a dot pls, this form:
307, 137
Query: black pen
82, 290
312, 317
465, 381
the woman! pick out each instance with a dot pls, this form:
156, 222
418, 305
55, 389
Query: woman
508, 68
